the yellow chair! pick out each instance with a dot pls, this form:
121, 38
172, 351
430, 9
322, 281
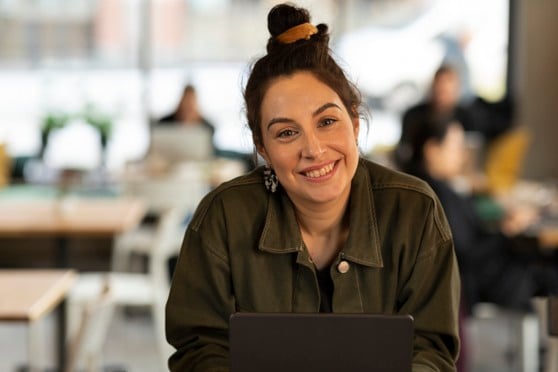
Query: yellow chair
5, 166
504, 160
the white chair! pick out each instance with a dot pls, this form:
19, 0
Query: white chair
87, 342
182, 190
136, 289
140, 242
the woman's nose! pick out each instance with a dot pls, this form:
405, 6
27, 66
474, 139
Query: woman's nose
313, 146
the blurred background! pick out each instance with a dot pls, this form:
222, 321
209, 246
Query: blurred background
84, 85
128, 60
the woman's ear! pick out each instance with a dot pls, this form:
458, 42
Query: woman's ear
356, 127
261, 150
355, 118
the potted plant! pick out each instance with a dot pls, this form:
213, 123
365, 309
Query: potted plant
102, 122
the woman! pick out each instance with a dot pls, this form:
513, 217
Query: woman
188, 112
492, 271
318, 229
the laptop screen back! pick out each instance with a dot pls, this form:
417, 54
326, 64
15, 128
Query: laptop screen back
275, 342
178, 142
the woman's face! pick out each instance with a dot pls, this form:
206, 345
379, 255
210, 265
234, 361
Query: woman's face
446, 159
445, 90
188, 106
309, 139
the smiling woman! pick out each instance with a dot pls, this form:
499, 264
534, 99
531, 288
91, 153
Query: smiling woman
318, 229
309, 139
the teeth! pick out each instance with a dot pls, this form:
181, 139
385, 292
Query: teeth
320, 172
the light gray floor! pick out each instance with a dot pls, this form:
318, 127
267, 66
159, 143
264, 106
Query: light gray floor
131, 345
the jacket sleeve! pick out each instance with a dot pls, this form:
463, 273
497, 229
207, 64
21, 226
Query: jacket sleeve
432, 295
199, 305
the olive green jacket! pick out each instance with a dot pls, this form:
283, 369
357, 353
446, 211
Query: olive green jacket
243, 251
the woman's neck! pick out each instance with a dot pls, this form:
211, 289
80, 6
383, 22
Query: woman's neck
320, 222
325, 230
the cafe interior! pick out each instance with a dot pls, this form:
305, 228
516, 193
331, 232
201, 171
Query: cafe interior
98, 183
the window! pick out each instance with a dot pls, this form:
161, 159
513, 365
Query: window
129, 60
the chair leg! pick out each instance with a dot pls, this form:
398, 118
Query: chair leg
74, 313
35, 345
90, 321
120, 258
165, 349
524, 328
544, 308
551, 358
529, 336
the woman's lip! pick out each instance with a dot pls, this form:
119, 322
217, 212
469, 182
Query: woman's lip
320, 177
317, 167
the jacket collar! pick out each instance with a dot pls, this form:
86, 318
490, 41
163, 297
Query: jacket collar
281, 233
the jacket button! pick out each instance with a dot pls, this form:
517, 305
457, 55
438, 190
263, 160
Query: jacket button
343, 267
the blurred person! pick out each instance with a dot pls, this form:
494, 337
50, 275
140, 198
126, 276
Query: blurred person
187, 112
318, 228
491, 269
443, 100
490, 119
483, 121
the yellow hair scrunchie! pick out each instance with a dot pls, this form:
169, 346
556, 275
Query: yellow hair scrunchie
302, 31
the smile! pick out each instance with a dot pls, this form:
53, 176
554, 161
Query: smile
315, 173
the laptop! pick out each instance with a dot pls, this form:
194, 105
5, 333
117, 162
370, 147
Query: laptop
292, 342
177, 142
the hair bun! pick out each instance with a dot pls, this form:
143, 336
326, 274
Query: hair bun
285, 16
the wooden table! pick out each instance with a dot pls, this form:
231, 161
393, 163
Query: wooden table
69, 217
63, 219
29, 295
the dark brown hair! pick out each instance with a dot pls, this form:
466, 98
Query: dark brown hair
312, 55
409, 152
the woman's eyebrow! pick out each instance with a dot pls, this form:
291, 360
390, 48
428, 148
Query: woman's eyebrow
325, 107
318, 111
279, 120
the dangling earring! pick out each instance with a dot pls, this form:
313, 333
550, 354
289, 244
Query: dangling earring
270, 179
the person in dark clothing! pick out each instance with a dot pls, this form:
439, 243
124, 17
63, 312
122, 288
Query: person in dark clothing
318, 228
489, 119
491, 270
187, 111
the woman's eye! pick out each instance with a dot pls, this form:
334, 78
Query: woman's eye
286, 133
327, 122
